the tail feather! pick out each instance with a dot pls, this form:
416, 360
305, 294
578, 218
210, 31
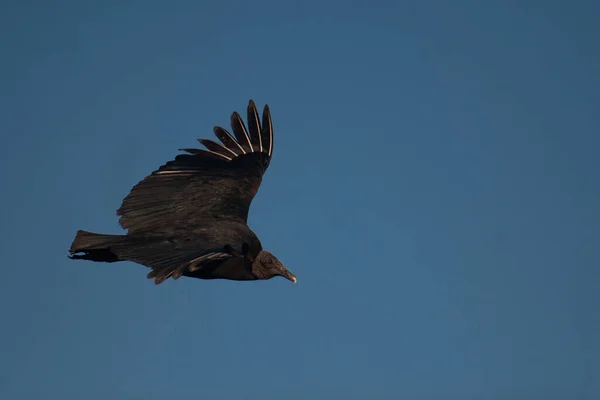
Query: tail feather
95, 246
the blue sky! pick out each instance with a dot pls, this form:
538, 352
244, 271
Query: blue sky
434, 187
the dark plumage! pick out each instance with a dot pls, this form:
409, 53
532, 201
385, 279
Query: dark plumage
189, 217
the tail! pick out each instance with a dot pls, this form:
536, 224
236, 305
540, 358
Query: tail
95, 246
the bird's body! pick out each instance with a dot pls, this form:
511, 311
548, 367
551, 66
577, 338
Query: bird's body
189, 217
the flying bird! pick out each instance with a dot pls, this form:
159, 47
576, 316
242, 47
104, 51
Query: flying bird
189, 217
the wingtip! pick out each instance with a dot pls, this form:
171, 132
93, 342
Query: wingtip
256, 137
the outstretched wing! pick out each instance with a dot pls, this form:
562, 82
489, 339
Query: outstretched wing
204, 186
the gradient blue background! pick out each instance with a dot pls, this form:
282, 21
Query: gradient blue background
435, 187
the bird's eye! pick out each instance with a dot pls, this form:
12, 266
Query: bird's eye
270, 261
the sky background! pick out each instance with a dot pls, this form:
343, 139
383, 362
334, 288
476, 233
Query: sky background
434, 187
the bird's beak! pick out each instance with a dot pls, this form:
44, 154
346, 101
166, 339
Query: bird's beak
288, 275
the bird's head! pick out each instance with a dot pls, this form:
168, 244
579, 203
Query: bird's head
267, 266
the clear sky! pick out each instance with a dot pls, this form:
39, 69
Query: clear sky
434, 186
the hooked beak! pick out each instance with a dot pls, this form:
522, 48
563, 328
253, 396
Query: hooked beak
288, 275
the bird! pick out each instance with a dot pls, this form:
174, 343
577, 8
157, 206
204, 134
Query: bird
189, 217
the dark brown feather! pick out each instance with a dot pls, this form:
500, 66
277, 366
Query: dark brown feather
218, 148
267, 131
225, 137
240, 132
254, 127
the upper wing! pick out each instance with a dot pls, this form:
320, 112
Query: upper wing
206, 185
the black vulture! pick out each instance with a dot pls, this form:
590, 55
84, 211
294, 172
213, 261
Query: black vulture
189, 217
